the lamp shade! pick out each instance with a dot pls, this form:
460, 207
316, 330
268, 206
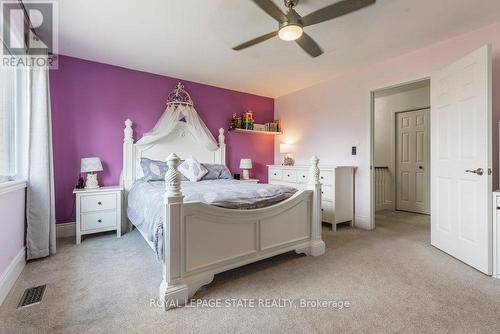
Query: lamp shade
285, 148
246, 163
90, 165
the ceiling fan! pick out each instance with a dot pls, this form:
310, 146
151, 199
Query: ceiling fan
291, 24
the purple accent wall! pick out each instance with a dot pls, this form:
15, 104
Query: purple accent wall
90, 102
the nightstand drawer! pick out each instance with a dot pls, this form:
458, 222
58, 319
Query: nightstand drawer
98, 202
92, 221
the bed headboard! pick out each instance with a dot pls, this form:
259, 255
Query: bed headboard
181, 142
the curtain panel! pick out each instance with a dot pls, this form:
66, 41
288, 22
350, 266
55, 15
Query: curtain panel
40, 207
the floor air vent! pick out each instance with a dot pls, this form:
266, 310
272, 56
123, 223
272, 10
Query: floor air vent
32, 296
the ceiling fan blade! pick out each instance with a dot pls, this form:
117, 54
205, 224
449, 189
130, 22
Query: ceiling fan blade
270, 8
255, 41
335, 10
309, 45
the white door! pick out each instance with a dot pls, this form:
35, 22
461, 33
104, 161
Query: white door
412, 161
461, 160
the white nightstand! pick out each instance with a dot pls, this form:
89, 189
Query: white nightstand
250, 180
98, 210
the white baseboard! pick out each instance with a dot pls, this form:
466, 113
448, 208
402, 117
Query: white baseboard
65, 230
11, 274
362, 222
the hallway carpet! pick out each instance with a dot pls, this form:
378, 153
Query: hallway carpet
394, 281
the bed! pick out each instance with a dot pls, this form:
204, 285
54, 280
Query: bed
200, 238
145, 201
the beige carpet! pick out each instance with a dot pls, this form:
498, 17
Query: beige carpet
395, 281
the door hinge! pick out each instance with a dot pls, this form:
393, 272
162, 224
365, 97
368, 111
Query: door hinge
490, 171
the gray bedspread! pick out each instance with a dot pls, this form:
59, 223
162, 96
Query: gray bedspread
145, 201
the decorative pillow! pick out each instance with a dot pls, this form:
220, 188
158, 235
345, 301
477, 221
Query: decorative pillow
155, 170
192, 169
216, 172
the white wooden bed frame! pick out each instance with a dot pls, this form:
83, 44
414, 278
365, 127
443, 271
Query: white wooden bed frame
203, 240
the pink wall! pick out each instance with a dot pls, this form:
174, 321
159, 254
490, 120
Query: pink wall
338, 110
12, 226
90, 102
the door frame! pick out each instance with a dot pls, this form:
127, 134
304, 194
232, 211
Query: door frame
372, 138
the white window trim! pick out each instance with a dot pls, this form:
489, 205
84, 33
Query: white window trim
10, 186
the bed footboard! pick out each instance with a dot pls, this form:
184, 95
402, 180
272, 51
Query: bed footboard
203, 240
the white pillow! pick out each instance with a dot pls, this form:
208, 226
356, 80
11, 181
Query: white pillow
192, 169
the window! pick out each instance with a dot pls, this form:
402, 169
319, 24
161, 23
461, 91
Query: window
7, 123
14, 101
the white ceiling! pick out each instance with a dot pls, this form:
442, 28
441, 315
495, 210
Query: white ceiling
192, 39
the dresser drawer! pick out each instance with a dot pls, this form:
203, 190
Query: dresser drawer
326, 177
327, 209
95, 220
289, 175
98, 202
326, 193
302, 176
274, 174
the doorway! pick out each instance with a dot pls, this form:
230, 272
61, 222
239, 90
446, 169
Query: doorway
401, 153
461, 159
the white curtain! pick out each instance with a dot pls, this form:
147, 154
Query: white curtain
168, 121
40, 209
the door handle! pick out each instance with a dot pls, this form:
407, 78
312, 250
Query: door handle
478, 171
420, 167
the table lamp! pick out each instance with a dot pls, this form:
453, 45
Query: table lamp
286, 150
245, 165
90, 166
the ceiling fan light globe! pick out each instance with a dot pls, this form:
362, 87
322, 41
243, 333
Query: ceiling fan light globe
290, 32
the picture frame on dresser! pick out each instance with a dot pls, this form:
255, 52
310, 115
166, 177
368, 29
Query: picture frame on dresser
337, 191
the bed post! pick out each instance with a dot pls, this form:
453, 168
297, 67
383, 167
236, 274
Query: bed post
128, 170
172, 292
222, 146
317, 246
128, 156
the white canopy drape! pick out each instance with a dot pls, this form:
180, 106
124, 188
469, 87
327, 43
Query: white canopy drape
167, 122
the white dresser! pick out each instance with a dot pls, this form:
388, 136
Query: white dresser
337, 188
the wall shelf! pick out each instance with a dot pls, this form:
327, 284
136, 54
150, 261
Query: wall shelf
256, 131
